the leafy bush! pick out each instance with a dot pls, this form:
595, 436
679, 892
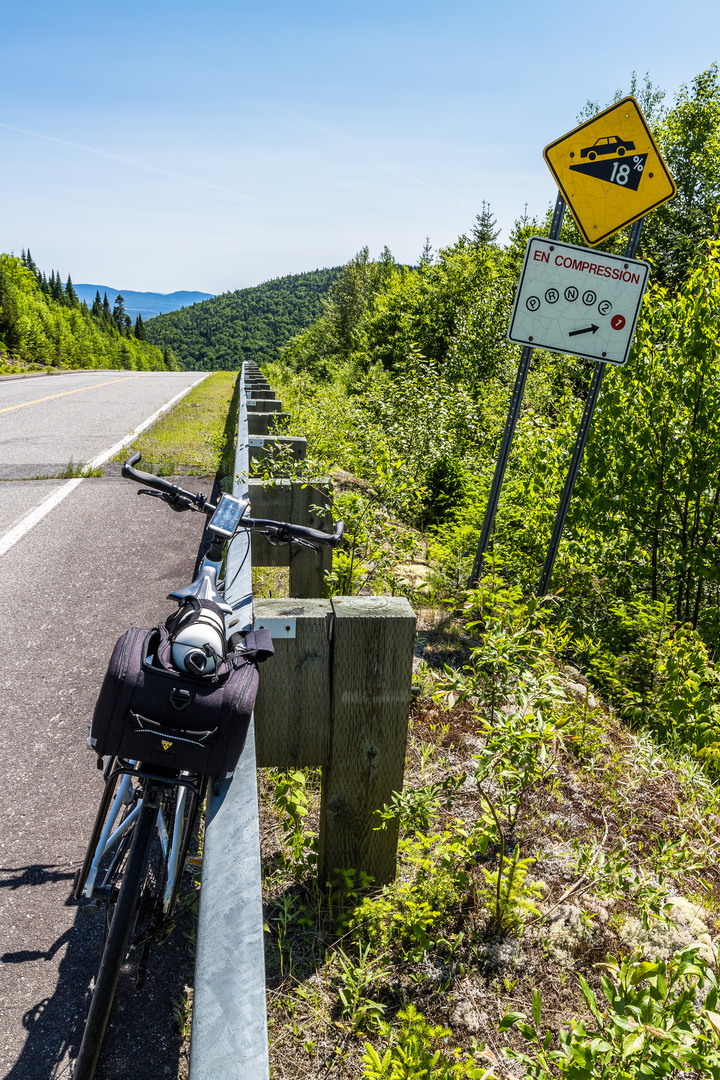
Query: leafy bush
660, 1018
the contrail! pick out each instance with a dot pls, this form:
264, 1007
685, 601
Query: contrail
127, 161
303, 121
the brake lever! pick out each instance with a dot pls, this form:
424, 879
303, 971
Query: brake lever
175, 502
278, 536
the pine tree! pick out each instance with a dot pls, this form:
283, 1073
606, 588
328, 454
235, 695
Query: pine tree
120, 316
29, 262
106, 309
484, 231
426, 256
140, 329
97, 305
56, 287
71, 297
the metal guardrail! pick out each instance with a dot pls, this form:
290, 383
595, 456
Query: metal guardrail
229, 1026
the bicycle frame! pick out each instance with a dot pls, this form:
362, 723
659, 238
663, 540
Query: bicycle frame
204, 587
107, 832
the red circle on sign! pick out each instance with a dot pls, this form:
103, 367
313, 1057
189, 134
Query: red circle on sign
617, 322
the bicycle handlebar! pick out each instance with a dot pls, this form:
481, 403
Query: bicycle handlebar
283, 532
177, 494
279, 532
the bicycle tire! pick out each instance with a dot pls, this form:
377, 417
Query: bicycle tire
116, 943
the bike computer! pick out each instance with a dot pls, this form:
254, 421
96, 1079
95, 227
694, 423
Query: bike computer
225, 520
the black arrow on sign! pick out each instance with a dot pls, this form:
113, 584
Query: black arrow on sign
585, 330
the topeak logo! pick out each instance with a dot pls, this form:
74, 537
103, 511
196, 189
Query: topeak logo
166, 745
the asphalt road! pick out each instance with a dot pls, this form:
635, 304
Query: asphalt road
47, 421
100, 561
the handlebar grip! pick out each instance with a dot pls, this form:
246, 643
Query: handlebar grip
285, 531
331, 539
178, 495
150, 479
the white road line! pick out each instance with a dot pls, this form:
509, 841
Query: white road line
31, 519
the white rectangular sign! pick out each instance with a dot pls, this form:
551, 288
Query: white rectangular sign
576, 300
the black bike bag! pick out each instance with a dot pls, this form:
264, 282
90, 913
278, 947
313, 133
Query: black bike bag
149, 712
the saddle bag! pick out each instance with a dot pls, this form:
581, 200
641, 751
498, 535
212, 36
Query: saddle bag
150, 712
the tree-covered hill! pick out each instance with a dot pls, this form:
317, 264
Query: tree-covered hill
248, 324
147, 304
44, 324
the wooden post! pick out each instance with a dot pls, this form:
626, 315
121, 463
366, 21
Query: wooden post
309, 568
265, 423
261, 445
292, 708
373, 640
337, 694
303, 504
264, 404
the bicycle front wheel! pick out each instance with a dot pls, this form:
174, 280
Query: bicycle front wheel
118, 938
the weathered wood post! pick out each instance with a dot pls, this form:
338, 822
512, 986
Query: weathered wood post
337, 694
373, 640
266, 423
304, 504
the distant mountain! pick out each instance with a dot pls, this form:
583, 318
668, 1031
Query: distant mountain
43, 325
147, 304
249, 324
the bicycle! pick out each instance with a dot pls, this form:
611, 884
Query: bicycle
140, 844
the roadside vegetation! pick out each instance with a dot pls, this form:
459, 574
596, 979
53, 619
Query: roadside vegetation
198, 436
555, 911
45, 327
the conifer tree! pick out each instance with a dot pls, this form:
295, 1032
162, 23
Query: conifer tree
97, 305
484, 230
426, 255
140, 329
56, 287
71, 296
120, 316
106, 309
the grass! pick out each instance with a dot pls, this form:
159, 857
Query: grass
619, 833
73, 469
68, 472
198, 436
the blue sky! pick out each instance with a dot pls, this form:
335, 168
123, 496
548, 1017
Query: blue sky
162, 146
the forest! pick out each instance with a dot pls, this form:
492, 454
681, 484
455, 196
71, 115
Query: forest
557, 903
248, 324
44, 325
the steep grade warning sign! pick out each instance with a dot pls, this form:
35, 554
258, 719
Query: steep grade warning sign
579, 301
610, 171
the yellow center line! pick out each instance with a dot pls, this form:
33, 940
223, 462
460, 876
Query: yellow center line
64, 393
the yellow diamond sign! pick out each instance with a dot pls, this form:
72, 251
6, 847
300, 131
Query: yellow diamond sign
610, 171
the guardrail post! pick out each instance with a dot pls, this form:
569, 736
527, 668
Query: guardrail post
339, 697
304, 504
265, 423
262, 445
373, 641
264, 404
292, 708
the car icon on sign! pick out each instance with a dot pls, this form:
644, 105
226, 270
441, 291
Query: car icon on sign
610, 144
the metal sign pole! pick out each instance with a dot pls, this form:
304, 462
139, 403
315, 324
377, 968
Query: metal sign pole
510, 424
580, 441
